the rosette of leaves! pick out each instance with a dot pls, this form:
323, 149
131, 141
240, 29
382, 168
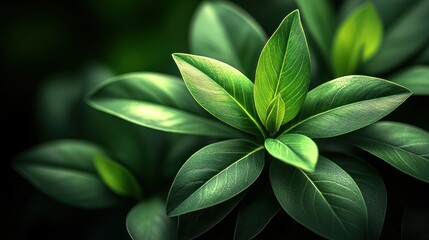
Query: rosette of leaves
270, 159
386, 39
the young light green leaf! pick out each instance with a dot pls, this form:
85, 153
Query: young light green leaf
223, 31
357, 39
396, 49
328, 201
148, 221
220, 89
257, 209
283, 69
403, 146
320, 19
116, 177
294, 149
276, 112
415, 78
215, 174
156, 101
346, 104
64, 171
194, 224
373, 190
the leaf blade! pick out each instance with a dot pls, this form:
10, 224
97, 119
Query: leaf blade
276, 73
346, 104
294, 149
403, 146
415, 78
210, 176
156, 101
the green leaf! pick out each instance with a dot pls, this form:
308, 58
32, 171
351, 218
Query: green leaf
320, 19
155, 101
276, 112
116, 177
346, 104
403, 146
294, 149
283, 69
257, 209
223, 31
402, 40
373, 190
64, 171
194, 224
220, 89
327, 201
357, 39
215, 174
147, 220
415, 78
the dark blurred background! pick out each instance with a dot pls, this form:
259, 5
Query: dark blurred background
40, 40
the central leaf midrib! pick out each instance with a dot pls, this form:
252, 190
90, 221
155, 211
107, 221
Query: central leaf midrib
219, 173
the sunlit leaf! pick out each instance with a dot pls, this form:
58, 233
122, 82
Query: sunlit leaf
283, 69
357, 39
346, 104
215, 174
294, 149
276, 112
64, 170
223, 31
328, 201
401, 145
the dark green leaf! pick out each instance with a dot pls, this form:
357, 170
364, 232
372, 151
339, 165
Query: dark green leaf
319, 18
283, 69
402, 40
116, 177
223, 31
415, 78
194, 224
215, 174
64, 170
148, 221
356, 40
257, 209
294, 149
327, 201
156, 101
373, 190
276, 112
346, 104
401, 145
220, 89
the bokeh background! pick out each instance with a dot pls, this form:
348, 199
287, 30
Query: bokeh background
41, 41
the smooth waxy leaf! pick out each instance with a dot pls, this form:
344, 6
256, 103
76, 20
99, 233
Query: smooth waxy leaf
215, 174
357, 39
294, 149
156, 101
64, 170
396, 49
283, 69
194, 224
346, 104
257, 209
320, 19
220, 89
147, 220
373, 190
416, 79
403, 146
116, 177
223, 31
328, 201
276, 112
